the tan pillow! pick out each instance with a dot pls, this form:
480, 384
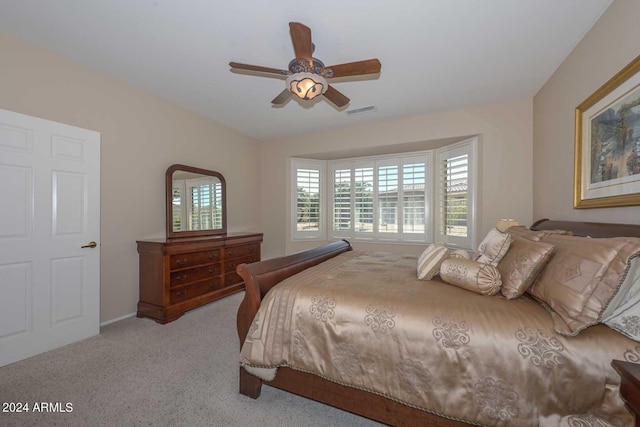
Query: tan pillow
430, 260
582, 277
494, 246
522, 264
471, 275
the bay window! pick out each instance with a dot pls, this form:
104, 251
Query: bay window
409, 197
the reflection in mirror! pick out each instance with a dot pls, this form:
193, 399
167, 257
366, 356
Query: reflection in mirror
195, 202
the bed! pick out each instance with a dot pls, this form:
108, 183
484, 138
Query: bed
429, 353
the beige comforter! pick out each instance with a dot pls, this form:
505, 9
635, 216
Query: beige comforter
364, 320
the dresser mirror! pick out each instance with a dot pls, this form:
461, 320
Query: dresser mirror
196, 202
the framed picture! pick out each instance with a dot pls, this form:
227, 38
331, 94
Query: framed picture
607, 145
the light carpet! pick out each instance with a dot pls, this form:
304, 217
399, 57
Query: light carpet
140, 373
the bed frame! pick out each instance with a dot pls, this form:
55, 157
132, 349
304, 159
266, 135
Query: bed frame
261, 276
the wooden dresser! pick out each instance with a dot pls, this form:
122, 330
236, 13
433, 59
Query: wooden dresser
178, 275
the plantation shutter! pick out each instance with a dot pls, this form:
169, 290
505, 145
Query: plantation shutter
455, 214
341, 199
363, 200
216, 213
177, 208
307, 203
382, 198
388, 199
204, 210
413, 196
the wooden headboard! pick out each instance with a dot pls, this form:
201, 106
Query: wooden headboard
591, 229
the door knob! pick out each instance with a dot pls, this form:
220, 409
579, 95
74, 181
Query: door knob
90, 245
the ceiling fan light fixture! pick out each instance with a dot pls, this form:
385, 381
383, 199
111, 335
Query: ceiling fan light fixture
307, 85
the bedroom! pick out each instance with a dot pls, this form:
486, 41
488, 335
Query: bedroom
537, 130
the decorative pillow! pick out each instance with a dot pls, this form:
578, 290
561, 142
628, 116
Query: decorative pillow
582, 278
430, 260
471, 275
459, 253
494, 246
623, 312
522, 264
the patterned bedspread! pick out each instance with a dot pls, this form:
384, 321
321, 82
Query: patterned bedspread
364, 320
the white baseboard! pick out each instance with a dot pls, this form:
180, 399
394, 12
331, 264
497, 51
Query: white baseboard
117, 319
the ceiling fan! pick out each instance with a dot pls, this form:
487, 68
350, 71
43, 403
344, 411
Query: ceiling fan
306, 76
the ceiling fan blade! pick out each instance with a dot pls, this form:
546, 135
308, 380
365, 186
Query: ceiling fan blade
259, 68
369, 66
336, 97
301, 38
282, 97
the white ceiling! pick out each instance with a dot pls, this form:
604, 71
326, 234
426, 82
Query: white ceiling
436, 54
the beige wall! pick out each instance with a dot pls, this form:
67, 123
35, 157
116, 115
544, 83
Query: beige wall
610, 45
505, 153
141, 136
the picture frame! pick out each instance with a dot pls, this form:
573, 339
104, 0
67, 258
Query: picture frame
607, 143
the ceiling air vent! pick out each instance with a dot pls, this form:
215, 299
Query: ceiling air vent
362, 110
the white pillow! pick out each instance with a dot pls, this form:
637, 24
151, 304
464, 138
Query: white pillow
623, 312
494, 247
430, 260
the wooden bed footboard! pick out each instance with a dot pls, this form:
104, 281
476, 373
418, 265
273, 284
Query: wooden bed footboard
261, 276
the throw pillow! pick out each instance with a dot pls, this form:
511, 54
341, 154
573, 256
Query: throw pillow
623, 312
522, 264
430, 260
471, 275
494, 247
582, 278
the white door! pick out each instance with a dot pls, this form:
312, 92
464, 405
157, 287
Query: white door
49, 210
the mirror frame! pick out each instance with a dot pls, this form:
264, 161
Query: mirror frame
169, 203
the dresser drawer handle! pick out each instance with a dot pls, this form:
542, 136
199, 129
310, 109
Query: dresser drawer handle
212, 256
181, 261
181, 293
182, 278
211, 271
253, 249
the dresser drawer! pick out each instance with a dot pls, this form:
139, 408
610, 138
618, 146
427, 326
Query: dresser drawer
208, 257
182, 277
193, 290
194, 258
241, 251
230, 266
